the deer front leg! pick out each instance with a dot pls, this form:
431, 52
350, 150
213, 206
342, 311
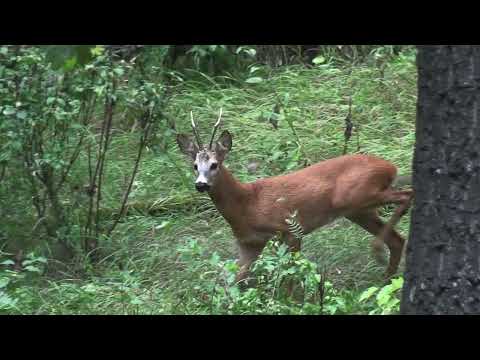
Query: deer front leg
248, 254
295, 245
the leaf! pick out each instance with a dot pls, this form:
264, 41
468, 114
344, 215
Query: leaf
254, 80
97, 50
41, 259
3, 50
234, 292
384, 295
289, 271
99, 90
367, 294
83, 53
136, 301
282, 250
162, 225
254, 68
7, 262
215, 259
269, 267
397, 283
332, 309
9, 111
4, 282
32, 268
276, 155
231, 267
70, 63
22, 115
6, 302
89, 288
393, 303
68, 56
119, 71
318, 60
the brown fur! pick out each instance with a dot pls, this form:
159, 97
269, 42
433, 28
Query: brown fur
352, 186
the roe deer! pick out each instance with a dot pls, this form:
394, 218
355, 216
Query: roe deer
351, 186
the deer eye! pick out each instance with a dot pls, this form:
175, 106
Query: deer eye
213, 166
195, 167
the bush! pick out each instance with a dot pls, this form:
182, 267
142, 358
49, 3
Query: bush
387, 299
14, 284
55, 130
215, 292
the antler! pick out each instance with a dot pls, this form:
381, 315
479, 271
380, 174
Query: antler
194, 127
215, 128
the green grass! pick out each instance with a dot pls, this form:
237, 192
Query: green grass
141, 273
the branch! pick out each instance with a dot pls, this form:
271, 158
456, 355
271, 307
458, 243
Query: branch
93, 179
348, 126
111, 105
76, 153
143, 140
3, 171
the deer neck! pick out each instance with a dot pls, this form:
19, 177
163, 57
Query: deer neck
229, 195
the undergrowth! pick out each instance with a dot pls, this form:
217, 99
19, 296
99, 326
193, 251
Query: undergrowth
174, 254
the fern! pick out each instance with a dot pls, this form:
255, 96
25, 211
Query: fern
294, 227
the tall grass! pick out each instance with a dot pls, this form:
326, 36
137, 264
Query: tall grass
143, 273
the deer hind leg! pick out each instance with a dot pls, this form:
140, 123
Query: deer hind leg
371, 222
404, 198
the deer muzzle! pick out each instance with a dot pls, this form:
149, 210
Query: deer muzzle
202, 187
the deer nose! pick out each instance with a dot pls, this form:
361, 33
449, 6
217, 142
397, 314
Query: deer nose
201, 186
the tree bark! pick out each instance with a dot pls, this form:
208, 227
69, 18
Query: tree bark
442, 263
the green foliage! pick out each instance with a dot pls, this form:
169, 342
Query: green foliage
387, 299
204, 284
214, 64
208, 285
171, 252
67, 57
14, 284
49, 123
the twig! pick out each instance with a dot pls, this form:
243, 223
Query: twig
111, 105
297, 138
357, 130
94, 188
78, 148
321, 289
348, 126
3, 171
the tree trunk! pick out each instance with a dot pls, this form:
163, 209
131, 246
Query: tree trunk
443, 255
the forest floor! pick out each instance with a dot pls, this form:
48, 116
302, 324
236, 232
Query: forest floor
141, 271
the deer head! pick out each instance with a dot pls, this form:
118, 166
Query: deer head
207, 160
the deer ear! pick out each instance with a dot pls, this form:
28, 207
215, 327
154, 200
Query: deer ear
187, 145
224, 144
